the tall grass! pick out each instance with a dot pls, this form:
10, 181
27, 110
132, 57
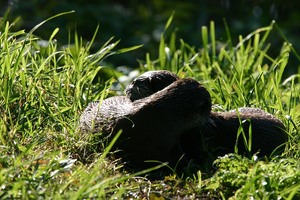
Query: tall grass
244, 75
44, 88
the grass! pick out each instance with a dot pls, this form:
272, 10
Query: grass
44, 88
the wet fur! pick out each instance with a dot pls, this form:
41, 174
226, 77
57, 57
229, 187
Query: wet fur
164, 117
219, 135
152, 126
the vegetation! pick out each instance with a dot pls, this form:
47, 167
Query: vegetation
45, 87
142, 22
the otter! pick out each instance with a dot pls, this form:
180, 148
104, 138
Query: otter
164, 117
152, 124
246, 131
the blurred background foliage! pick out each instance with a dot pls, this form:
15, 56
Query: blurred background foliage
142, 22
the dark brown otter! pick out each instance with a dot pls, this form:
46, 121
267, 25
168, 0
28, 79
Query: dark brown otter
246, 130
164, 117
152, 126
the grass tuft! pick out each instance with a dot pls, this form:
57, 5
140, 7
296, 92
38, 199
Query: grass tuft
45, 87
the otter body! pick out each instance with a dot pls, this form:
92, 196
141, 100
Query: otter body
251, 127
151, 126
164, 117
247, 131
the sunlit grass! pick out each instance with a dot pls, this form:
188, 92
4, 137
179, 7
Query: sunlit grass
45, 87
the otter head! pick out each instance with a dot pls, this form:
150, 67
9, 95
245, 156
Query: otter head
148, 83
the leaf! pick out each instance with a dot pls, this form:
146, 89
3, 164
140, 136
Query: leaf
169, 21
129, 49
155, 196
